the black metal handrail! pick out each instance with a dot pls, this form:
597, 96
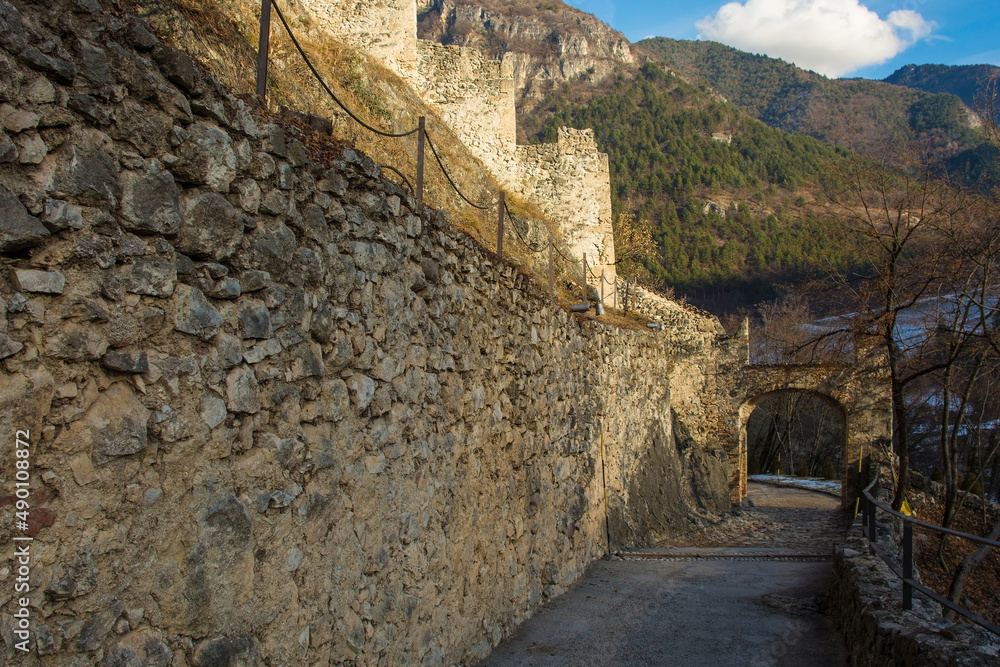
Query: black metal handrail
870, 507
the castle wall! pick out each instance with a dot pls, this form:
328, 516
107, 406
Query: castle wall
475, 96
387, 29
571, 182
273, 414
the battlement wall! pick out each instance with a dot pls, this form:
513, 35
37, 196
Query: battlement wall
475, 96
571, 182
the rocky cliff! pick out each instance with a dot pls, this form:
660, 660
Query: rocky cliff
547, 43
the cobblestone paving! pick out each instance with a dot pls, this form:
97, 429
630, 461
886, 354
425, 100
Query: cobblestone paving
781, 518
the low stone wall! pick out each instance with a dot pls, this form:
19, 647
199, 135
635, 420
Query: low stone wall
865, 601
276, 413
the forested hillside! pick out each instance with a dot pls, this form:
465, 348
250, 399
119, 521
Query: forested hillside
963, 81
855, 113
730, 201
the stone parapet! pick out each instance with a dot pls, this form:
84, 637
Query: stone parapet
865, 603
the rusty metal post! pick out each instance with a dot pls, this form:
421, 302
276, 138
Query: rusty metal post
552, 275
585, 295
262, 48
500, 207
421, 125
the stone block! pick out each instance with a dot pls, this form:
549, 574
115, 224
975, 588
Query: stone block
212, 228
232, 652
60, 70
44, 282
254, 319
17, 120
179, 69
18, 228
11, 29
89, 174
242, 390
59, 215
362, 390
151, 276
206, 157
117, 423
75, 342
150, 201
254, 280
193, 314
126, 362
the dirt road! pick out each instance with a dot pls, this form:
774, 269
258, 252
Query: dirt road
748, 592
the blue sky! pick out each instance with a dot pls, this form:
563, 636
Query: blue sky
869, 38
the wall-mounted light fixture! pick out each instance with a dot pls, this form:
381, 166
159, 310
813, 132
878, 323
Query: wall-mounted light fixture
658, 326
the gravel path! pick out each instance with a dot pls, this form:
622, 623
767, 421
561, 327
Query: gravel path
736, 605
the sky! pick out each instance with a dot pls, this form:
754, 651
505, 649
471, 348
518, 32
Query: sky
837, 38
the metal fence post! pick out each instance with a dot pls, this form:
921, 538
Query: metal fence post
585, 295
421, 128
602, 285
870, 517
552, 277
500, 208
262, 48
907, 564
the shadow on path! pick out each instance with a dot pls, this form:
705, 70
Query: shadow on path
740, 603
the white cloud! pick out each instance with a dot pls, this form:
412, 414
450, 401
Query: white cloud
832, 37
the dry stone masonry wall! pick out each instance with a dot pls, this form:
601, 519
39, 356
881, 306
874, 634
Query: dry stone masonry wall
278, 414
475, 96
569, 180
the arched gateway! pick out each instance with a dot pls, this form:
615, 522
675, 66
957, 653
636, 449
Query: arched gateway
860, 392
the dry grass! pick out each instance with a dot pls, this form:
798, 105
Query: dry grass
223, 34
982, 589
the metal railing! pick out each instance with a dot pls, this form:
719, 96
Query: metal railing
871, 507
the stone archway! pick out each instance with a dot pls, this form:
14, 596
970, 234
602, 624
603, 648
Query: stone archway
859, 390
748, 409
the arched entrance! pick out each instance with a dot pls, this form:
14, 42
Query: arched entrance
795, 432
859, 392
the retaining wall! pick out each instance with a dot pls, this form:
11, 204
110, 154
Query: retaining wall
276, 413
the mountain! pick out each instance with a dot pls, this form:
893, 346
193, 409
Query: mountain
855, 113
548, 43
963, 81
731, 203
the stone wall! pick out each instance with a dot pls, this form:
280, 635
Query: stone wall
276, 415
571, 182
475, 96
865, 602
387, 29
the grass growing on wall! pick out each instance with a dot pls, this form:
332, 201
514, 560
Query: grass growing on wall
223, 34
